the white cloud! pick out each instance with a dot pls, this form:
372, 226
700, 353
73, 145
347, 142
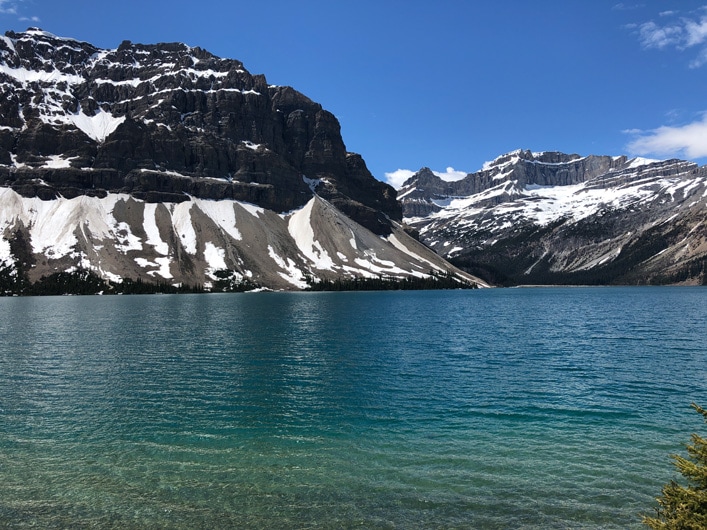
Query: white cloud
687, 141
451, 174
653, 36
398, 177
12, 7
695, 32
700, 60
627, 7
8, 7
684, 33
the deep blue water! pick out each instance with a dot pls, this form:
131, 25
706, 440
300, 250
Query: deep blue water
504, 408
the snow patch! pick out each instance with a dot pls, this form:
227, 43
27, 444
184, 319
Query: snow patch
58, 162
182, 223
8, 42
293, 275
252, 209
388, 268
352, 241
162, 265
512, 158
250, 145
5, 254
300, 228
215, 257
222, 213
639, 161
153, 233
98, 127
393, 240
25, 76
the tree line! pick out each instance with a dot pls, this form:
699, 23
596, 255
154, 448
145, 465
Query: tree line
15, 282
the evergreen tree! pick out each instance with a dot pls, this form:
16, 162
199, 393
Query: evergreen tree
685, 507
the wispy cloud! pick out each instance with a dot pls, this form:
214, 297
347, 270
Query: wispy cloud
12, 7
686, 141
621, 6
652, 35
399, 176
684, 33
8, 7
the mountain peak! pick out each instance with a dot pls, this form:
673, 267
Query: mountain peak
173, 110
526, 155
163, 161
39, 35
552, 217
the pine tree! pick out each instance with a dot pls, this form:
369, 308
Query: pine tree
685, 507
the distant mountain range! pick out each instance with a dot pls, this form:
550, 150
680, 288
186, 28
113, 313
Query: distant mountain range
166, 163
546, 218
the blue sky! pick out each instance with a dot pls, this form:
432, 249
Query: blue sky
445, 84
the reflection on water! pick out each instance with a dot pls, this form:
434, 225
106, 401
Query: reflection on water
546, 408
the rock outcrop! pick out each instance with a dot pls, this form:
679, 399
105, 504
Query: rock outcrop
165, 122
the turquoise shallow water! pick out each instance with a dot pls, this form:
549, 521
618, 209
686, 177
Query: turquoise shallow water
514, 408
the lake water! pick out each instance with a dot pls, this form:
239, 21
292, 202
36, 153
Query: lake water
504, 408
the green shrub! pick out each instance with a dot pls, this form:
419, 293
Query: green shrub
684, 507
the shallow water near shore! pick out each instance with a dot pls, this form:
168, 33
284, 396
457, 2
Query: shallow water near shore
504, 408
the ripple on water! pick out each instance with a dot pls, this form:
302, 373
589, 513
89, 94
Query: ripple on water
544, 408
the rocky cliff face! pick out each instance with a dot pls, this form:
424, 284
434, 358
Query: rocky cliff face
556, 218
164, 162
163, 122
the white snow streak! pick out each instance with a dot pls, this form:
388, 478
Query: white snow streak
58, 162
98, 127
222, 213
215, 257
294, 275
252, 209
151, 230
300, 228
398, 244
25, 76
181, 221
5, 256
162, 265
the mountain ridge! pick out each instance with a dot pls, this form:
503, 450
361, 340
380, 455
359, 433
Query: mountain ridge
556, 218
163, 162
160, 116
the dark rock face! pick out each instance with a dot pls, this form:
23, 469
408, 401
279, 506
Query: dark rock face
165, 121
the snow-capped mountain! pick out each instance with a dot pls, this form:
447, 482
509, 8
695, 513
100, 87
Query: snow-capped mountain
165, 162
554, 218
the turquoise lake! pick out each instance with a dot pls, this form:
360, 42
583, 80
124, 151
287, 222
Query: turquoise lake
498, 408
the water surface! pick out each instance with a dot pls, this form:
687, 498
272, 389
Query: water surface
514, 408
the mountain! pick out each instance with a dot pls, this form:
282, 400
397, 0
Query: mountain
166, 163
544, 218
